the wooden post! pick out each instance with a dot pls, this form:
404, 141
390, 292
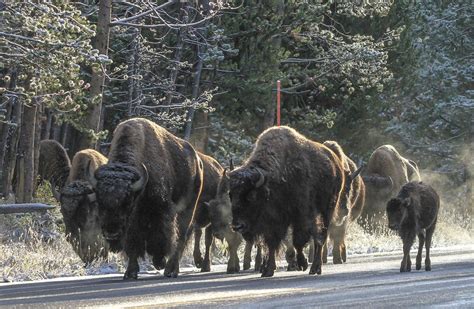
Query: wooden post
278, 103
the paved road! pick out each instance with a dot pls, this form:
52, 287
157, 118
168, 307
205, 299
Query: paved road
365, 281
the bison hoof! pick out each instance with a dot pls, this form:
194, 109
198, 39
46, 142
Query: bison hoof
233, 270
159, 263
315, 269
206, 267
418, 266
268, 273
198, 262
292, 266
302, 263
130, 275
246, 265
336, 260
427, 267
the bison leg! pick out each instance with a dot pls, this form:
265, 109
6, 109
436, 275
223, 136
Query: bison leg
248, 254
324, 253
320, 237
132, 268
406, 262
234, 240
429, 236
421, 239
317, 259
311, 252
259, 263
338, 248
197, 250
290, 255
206, 265
172, 266
270, 265
300, 238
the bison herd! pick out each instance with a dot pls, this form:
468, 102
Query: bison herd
154, 190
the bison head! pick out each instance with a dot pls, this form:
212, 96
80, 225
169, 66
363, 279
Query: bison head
220, 209
117, 186
81, 219
397, 211
247, 193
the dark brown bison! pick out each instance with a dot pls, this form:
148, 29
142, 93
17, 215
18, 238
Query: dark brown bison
353, 197
147, 194
414, 212
288, 180
79, 208
53, 165
386, 172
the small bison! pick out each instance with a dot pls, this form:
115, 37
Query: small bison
353, 197
414, 212
288, 181
386, 172
147, 194
79, 208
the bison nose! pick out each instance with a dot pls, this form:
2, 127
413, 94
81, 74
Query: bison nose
111, 235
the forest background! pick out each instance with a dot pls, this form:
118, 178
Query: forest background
363, 73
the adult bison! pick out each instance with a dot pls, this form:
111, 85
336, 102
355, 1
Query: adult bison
288, 180
353, 197
147, 194
53, 164
70, 186
79, 208
386, 172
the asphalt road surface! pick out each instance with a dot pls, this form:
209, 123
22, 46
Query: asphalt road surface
370, 280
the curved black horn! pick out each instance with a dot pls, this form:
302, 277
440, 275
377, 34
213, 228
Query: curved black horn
231, 166
356, 173
142, 181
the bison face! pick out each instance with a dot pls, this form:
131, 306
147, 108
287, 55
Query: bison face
220, 214
396, 212
117, 187
246, 195
81, 219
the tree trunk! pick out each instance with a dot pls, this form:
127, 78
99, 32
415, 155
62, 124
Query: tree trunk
200, 137
40, 119
101, 43
25, 159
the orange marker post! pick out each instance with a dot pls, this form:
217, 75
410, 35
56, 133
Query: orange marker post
278, 103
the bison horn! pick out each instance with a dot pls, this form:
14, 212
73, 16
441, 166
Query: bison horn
356, 173
91, 174
140, 183
261, 179
231, 164
92, 197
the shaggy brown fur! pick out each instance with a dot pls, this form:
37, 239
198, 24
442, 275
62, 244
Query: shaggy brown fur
288, 180
386, 172
147, 194
354, 196
80, 212
414, 212
53, 165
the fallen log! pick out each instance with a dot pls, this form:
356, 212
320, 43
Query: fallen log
23, 208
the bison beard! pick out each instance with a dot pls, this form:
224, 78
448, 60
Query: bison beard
147, 194
287, 181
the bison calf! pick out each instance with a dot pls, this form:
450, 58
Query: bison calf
414, 212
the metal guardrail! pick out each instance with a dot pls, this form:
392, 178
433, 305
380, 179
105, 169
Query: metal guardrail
24, 208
